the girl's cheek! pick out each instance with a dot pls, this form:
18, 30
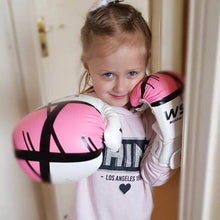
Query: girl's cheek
134, 84
106, 84
103, 87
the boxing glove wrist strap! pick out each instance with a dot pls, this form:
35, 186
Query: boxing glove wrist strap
167, 154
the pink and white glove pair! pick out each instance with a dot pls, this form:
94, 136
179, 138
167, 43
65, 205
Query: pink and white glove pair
163, 92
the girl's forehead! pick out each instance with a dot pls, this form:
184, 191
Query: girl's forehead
102, 46
123, 58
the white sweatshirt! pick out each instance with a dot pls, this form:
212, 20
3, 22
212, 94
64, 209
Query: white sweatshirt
121, 188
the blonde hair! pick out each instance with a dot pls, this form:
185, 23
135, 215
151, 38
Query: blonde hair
113, 20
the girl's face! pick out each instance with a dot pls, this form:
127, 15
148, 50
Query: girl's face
114, 75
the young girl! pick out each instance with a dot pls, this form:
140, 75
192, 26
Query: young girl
116, 44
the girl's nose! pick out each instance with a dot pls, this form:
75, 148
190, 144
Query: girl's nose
120, 85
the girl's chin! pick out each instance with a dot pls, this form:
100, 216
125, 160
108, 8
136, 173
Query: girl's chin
119, 103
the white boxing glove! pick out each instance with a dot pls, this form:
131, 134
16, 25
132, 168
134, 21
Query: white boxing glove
162, 92
63, 141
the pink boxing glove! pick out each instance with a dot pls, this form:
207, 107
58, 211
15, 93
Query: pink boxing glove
63, 141
162, 92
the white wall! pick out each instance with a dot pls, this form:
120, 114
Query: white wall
19, 198
167, 35
200, 191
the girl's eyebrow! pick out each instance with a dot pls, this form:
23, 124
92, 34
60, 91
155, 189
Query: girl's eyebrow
134, 69
113, 70
106, 70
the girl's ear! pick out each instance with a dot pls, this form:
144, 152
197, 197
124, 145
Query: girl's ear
84, 63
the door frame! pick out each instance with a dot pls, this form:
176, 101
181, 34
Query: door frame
200, 188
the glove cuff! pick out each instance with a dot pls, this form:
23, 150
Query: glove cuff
113, 132
167, 154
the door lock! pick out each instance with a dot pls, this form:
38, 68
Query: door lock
42, 35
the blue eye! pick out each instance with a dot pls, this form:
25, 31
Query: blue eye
108, 75
132, 73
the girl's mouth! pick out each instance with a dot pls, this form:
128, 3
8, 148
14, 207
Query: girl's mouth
118, 96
